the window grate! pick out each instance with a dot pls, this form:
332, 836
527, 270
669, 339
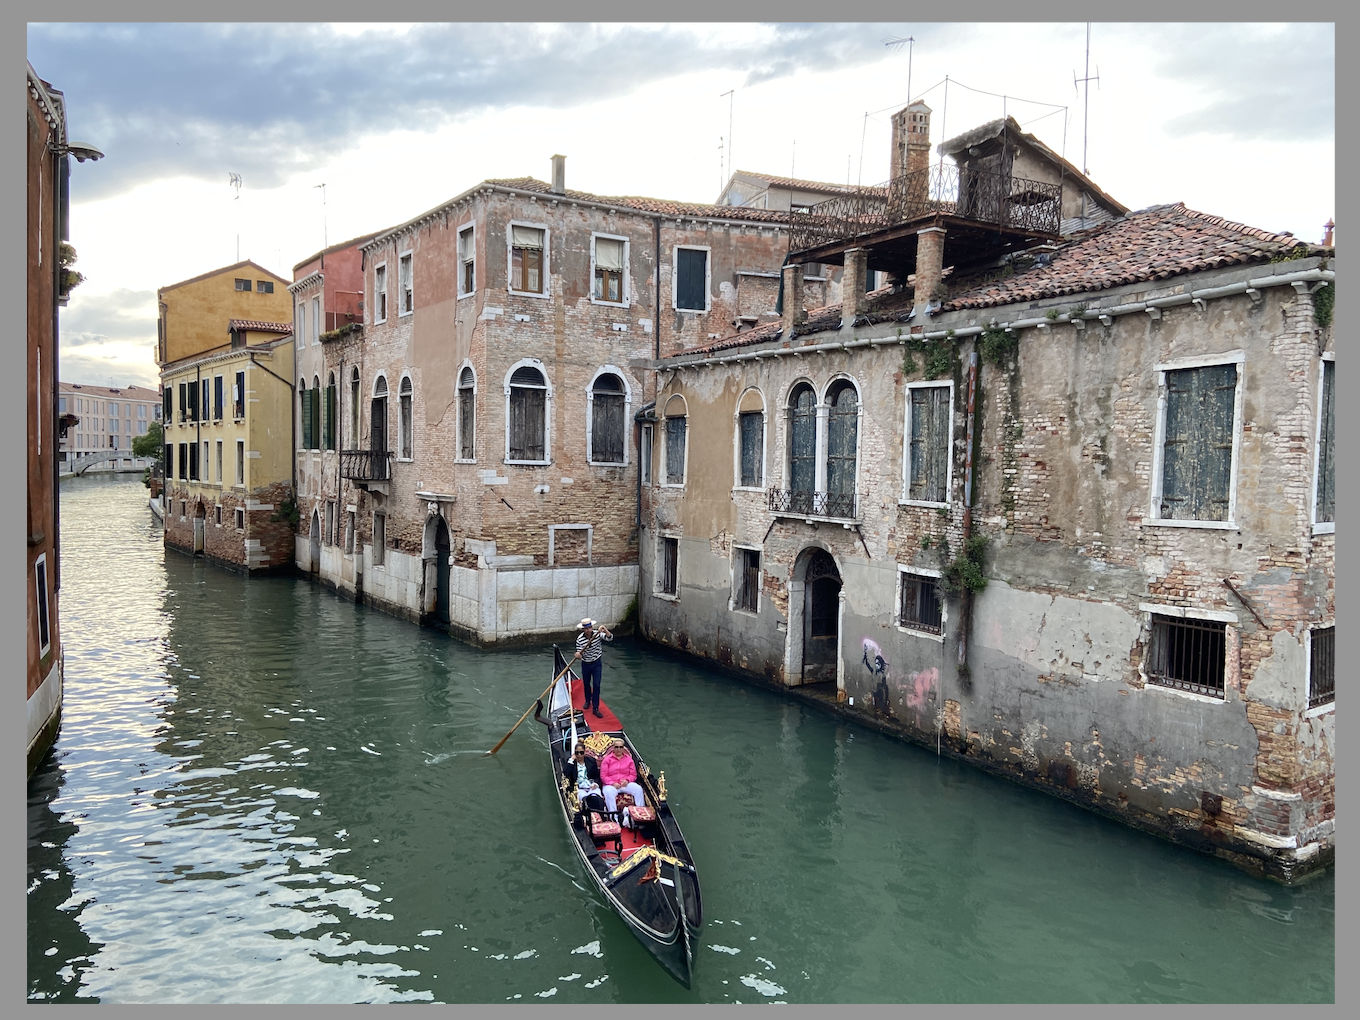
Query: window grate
670, 555
749, 593
1322, 667
921, 609
1187, 655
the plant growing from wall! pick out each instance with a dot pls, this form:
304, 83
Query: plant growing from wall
1323, 302
288, 511
998, 346
965, 572
938, 355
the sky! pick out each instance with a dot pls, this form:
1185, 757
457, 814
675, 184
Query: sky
1232, 119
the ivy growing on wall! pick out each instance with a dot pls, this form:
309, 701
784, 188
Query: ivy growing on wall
1323, 301
966, 571
998, 346
938, 355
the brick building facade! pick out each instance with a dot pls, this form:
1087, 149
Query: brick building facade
486, 411
1065, 512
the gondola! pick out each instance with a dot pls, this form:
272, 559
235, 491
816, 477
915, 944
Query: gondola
645, 872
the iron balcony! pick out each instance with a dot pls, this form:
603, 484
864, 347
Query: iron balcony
836, 506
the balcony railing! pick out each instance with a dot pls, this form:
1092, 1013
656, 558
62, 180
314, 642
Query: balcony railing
984, 196
366, 465
833, 505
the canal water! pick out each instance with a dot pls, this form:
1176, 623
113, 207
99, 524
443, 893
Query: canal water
265, 793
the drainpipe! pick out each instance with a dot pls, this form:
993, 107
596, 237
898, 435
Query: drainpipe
656, 294
966, 598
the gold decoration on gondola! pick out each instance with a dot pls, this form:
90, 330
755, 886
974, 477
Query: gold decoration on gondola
661, 786
643, 853
597, 743
569, 792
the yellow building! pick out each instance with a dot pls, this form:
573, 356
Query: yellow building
227, 407
192, 315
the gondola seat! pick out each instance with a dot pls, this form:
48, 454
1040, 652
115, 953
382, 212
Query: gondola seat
638, 814
605, 826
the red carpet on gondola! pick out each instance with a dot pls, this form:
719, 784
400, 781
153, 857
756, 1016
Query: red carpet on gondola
608, 721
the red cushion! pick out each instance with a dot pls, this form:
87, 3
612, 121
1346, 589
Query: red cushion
624, 800
638, 813
601, 827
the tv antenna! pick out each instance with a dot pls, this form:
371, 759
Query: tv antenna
896, 44
234, 180
1086, 110
731, 103
325, 234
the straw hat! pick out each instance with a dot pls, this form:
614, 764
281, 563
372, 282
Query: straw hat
586, 624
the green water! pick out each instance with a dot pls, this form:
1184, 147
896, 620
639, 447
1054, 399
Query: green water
262, 792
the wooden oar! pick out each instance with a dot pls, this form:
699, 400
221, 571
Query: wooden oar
528, 710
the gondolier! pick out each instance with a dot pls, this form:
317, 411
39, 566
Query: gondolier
590, 640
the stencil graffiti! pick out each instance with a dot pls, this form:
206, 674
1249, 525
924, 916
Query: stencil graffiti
878, 669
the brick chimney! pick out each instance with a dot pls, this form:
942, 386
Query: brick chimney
559, 175
1327, 228
910, 139
794, 312
929, 267
853, 302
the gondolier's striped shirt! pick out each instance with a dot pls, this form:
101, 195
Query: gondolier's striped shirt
593, 648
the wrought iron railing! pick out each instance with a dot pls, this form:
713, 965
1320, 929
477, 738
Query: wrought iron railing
366, 465
837, 505
981, 195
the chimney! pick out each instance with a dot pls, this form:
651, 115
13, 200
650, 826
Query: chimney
852, 285
794, 312
1328, 227
929, 268
559, 175
910, 139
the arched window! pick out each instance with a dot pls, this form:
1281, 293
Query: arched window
354, 423
676, 428
404, 399
315, 413
377, 431
606, 420
528, 418
305, 397
842, 433
751, 440
467, 395
328, 415
803, 444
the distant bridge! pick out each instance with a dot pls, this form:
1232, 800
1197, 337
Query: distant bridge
82, 464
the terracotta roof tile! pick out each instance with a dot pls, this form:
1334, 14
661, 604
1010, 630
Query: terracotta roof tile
662, 206
259, 326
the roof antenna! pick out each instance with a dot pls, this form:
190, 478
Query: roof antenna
896, 43
1085, 113
325, 232
234, 180
730, 104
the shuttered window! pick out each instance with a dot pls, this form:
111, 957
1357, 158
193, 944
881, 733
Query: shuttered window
166, 401
1326, 479
606, 425
928, 444
675, 450
404, 410
803, 439
217, 397
377, 425
193, 462
842, 439
466, 421
328, 417
528, 415
306, 398
691, 279
1197, 452
751, 429
316, 415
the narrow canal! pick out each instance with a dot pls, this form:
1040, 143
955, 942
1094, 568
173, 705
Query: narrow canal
262, 792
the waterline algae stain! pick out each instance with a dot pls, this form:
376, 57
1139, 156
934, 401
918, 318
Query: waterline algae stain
263, 793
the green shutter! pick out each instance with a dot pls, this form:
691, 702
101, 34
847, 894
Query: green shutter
307, 419
1197, 450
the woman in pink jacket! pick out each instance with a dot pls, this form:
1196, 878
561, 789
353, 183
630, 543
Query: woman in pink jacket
619, 775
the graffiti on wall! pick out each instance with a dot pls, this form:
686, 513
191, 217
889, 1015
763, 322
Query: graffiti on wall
917, 690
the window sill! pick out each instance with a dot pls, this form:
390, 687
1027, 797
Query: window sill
1324, 528
937, 638
467, 295
1203, 698
403, 315
692, 311
1319, 710
465, 460
608, 304
1207, 525
923, 503
752, 613
671, 485
784, 515
665, 596
608, 463
527, 293
404, 460
379, 322
528, 463
749, 488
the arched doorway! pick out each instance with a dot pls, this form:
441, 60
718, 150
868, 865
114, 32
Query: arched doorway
200, 525
821, 617
314, 547
442, 579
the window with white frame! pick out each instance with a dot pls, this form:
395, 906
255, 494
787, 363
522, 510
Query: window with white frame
379, 538
527, 421
527, 259
1324, 496
689, 280
316, 320
607, 400
842, 445
380, 293
467, 261
300, 322
404, 401
264, 286
239, 519
803, 443
927, 465
1321, 666
467, 414
919, 606
645, 455
240, 462
220, 477
667, 566
405, 295
1187, 654
1197, 452
355, 419
609, 259
746, 578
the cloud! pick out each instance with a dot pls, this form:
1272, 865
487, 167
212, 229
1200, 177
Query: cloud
268, 101
109, 369
120, 315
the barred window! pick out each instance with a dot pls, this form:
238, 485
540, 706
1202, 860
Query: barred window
1187, 655
920, 607
748, 580
670, 557
1322, 667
